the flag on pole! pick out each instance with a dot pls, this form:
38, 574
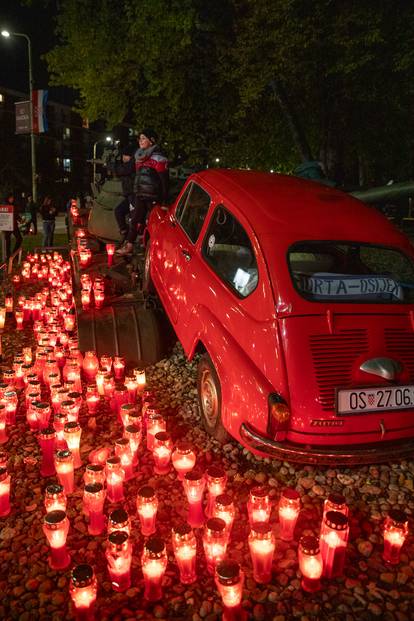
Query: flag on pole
39, 111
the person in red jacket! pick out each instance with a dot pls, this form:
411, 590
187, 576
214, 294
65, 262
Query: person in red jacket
150, 184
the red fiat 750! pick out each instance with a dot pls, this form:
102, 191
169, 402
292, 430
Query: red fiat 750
300, 299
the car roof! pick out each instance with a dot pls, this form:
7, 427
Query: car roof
300, 209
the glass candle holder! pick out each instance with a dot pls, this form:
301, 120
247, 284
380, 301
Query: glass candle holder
72, 434
110, 251
216, 480
69, 322
262, 545
106, 363
70, 410
3, 429
109, 386
125, 411
289, 508
18, 315
59, 422
76, 396
119, 557
8, 303
120, 397
61, 396
161, 452
335, 502
119, 520
140, 379
64, 470
194, 483
90, 366
133, 434
42, 410
93, 504
46, 438
9, 378
83, 588
55, 498
229, 580
148, 403
4, 492
215, 540
147, 506
114, 479
94, 473
56, 528
310, 563
224, 509
183, 458
123, 451
155, 424
119, 367
85, 299
185, 550
132, 386
259, 507
333, 541
92, 399
2, 317
10, 401
395, 533
154, 564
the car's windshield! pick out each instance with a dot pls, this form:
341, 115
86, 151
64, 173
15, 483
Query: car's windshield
351, 272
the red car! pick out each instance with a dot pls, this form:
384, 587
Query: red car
300, 299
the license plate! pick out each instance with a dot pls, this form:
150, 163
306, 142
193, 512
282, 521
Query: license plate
360, 400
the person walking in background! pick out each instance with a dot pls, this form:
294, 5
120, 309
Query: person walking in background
48, 212
10, 200
31, 208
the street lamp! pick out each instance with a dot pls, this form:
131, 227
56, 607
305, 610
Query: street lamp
7, 34
107, 139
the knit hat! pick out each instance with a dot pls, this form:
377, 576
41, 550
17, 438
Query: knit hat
151, 134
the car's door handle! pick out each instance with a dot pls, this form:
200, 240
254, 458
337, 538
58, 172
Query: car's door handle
186, 254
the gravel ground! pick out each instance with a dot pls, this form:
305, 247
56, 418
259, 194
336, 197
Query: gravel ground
368, 590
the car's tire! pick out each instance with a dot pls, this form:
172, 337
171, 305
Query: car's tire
209, 397
147, 284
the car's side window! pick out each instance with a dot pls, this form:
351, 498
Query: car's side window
194, 212
181, 203
228, 250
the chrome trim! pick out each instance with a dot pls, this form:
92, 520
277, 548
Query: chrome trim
382, 367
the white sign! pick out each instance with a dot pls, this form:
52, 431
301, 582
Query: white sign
6, 217
343, 286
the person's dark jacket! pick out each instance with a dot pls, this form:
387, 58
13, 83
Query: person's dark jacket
48, 212
126, 172
152, 177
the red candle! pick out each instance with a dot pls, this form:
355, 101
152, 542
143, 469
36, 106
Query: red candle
133, 434
8, 303
310, 563
119, 520
110, 250
72, 434
333, 542
224, 509
395, 533
69, 321
4, 492
46, 439
123, 451
216, 480
125, 411
183, 458
70, 410
93, 504
99, 297
289, 507
155, 423
109, 386
2, 317
83, 589
258, 505
194, 483
119, 399
42, 411
119, 556
229, 580
64, 470
85, 299
94, 473
55, 499
119, 367
140, 379
56, 528
90, 365
114, 479
185, 551
3, 431
132, 385
10, 401
92, 399
59, 421
215, 540
18, 314
162, 452
147, 506
262, 546
335, 502
154, 564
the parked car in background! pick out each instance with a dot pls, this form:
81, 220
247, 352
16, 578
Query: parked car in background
300, 300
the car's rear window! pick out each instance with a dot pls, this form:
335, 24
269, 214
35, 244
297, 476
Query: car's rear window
351, 272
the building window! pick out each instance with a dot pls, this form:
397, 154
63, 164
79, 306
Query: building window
66, 132
67, 164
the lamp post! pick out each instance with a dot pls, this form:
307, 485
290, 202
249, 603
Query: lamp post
7, 34
95, 144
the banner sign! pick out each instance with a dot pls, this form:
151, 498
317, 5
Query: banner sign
22, 110
39, 111
6, 217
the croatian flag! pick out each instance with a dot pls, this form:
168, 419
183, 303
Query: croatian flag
39, 111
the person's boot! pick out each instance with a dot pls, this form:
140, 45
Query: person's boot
125, 250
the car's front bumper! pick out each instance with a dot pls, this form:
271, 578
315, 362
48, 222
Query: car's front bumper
307, 454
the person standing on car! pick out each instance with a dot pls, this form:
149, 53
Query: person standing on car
125, 170
10, 200
48, 212
150, 185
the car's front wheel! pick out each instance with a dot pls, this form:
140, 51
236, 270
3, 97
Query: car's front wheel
209, 395
147, 284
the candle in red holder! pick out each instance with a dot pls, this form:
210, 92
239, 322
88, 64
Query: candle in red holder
140, 379
59, 422
162, 452
194, 483
94, 473
56, 528
90, 365
132, 386
114, 479
215, 540
185, 550
224, 509
258, 505
4, 492
18, 315
85, 257
83, 588
46, 439
229, 580
335, 502
92, 399
183, 458
18, 370
85, 299
262, 546
119, 556
119, 520
8, 303
333, 541
109, 386
147, 506
10, 401
64, 469
133, 434
148, 405
110, 250
70, 410
93, 504
106, 363
51, 371
125, 411
123, 451
9, 378
155, 423
154, 564
43, 411
395, 533
216, 480
119, 367
72, 434
2, 317
60, 356
55, 498
99, 297
310, 563
120, 398
69, 322
3, 430
61, 396
289, 508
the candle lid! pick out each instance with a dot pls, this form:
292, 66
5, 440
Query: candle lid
49, 432
309, 545
152, 414
336, 520
122, 442
194, 475
74, 395
42, 405
54, 489
155, 546
93, 488
337, 499
118, 537
3, 385
146, 491
53, 519
71, 427
260, 491
290, 493
3, 474
224, 500
182, 530
133, 429
119, 516
261, 529
114, 461
2, 406
129, 407
228, 572
397, 517
95, 467
162, 436
215, 472
183, 446
63, 454
216, 525
68, 403
82, 575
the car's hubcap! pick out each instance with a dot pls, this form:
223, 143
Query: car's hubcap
209, 398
